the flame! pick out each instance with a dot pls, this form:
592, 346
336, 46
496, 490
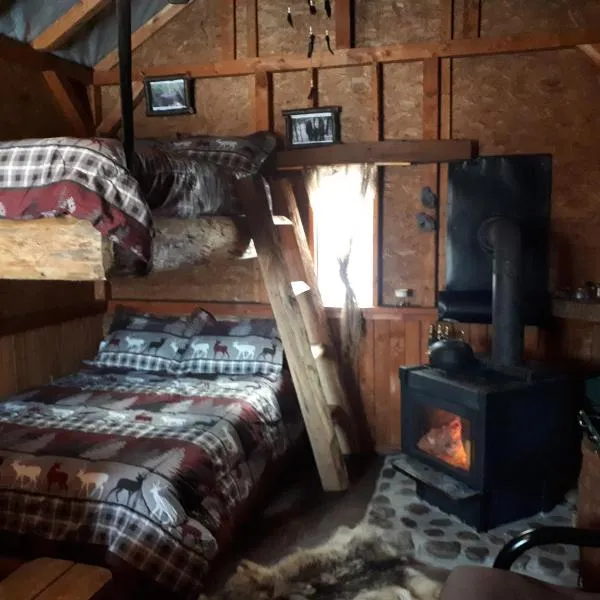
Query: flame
445, 441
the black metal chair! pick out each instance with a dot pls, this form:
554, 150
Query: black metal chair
541, 536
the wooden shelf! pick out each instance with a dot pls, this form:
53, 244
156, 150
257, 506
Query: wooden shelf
580, 310
390, 152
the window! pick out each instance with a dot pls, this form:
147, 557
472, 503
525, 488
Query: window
342, 200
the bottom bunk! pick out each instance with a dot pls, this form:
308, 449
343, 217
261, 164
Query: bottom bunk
143, 466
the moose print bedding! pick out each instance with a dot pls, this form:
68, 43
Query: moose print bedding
154, 469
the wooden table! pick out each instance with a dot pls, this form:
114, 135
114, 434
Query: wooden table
52, 579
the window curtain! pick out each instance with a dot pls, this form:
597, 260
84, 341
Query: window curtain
342, 199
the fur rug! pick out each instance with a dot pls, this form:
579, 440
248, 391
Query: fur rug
364, 563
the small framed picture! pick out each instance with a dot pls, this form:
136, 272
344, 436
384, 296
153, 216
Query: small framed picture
312, 126
169, 96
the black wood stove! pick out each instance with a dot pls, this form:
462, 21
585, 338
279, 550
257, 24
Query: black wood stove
495, 441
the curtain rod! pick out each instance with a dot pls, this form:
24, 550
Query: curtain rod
125, 76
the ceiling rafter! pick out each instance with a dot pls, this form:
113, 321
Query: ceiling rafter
25, 55
68, 24
145, 32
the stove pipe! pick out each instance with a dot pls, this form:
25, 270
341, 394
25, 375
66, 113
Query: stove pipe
503, 238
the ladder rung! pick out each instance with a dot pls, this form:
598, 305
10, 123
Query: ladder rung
300, 287
281, 220
317, 350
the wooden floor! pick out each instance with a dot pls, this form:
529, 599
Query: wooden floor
298, 515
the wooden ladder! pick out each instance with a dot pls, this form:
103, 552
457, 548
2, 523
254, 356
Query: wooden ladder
288, 272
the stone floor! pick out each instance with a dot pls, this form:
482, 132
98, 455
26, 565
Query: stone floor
442, 540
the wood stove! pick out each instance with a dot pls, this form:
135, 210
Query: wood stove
488, 446
495, 441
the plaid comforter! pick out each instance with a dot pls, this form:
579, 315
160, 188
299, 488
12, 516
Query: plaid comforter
153, 469
86, 178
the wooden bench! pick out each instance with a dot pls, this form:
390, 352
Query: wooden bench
52, 579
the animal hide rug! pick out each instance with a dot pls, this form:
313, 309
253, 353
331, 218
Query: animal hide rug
363, 563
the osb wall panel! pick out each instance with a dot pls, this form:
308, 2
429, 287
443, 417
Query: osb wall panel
403, 101
34, 357
222, 108
193, 35
26, 105
351, 89
290, 90
393, 22
507, 17
544, 102
408, 253
24, 297
277, 37
238, 281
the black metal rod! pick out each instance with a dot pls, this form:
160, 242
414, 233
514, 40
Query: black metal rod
541, 536
125, 76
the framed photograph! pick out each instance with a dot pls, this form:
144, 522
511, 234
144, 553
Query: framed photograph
169, 96
312, 126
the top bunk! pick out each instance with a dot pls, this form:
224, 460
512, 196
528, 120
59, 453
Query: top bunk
70, 208
76, 209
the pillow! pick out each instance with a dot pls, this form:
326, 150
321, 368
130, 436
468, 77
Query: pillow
194, 176
146, 342
250, 346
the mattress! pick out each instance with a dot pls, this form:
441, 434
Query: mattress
153, 470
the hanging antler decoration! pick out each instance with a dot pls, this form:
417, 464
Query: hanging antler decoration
328, 8
290, 19
328, 41
311, 42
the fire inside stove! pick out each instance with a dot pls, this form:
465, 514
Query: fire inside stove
446, 437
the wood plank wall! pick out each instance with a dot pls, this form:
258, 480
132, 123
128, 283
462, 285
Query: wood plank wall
31, 358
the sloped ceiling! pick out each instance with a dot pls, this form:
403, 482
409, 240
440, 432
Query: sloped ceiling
24, 20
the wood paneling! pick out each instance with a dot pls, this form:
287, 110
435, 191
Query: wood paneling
34, 357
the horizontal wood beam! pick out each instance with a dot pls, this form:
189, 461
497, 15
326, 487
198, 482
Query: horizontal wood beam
47, 318
143, 33
66, 26
25, 55
112, 122
389, 152
531, 42
264, 311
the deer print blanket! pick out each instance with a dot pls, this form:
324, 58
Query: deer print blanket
155, 470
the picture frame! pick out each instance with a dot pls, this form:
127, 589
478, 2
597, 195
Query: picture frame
311, 127
172, 95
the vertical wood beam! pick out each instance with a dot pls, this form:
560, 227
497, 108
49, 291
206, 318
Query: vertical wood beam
73, 104
314, 101
252, 28
471, 26
228, 30
263, 101
344, 26
431, 178
95, 99
377, 135
447, 33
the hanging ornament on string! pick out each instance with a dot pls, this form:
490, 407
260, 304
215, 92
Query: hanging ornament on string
328, 8
312, 93
312, 7
311, 42
290, 19
328, 41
